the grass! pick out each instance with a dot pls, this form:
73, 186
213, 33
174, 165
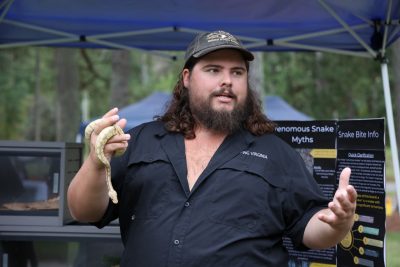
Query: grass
392, 238
389, 165
392, 249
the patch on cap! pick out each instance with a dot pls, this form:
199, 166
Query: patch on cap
222, 36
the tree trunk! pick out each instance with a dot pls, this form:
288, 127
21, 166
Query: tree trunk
319, 83
121, 69
37, 110
159, 66
68, 113
144, 70
256, 74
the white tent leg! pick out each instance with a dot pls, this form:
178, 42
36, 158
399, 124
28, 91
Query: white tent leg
392, 133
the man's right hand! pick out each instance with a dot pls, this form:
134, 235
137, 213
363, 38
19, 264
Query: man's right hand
115, 143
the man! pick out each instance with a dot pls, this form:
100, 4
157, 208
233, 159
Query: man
208, 183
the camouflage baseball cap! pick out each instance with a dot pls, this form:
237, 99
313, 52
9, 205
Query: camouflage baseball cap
205, 43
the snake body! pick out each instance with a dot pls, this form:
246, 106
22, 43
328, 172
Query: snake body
103, 137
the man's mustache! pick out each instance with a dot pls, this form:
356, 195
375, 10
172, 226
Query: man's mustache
224, 92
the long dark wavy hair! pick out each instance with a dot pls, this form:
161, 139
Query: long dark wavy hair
179, 118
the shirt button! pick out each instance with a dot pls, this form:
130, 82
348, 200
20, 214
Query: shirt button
251, 225
176, 242
133, 217
187, 204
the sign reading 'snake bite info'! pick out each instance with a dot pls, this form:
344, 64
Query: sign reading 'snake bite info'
327, 147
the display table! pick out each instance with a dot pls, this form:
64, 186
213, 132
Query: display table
69, 245
66, 232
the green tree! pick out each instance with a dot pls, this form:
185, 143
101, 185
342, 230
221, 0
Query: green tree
326, 86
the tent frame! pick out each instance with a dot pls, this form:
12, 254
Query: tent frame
254, 43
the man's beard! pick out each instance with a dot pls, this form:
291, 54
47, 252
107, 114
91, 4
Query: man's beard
219, 121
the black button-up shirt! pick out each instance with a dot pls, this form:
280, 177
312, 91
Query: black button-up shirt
253, 191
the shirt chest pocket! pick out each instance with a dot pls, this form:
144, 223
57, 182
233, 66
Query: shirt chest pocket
246, 197
148, 184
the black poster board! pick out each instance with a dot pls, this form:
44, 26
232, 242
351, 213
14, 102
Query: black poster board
327, 147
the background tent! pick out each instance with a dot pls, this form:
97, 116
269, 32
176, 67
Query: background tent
264, 25
359, 27
278, 109
143, 111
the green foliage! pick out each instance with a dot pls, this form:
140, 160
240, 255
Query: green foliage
15, 85
98, 85
95, 74
159, 80
18, 81
326, 86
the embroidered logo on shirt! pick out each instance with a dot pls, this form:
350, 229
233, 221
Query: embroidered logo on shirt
254, 154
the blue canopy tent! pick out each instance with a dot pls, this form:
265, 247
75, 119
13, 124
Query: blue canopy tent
362, 28
143, 111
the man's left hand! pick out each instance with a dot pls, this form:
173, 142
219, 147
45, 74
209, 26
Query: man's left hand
340, 214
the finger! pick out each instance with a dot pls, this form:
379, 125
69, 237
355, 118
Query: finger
343, 201
122, 123
344, 178
346, 198
111, 112
119, 138
352, 193
337, 209
110, 148
328, 218
105, 122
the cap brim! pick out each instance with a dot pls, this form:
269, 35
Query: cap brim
247, 54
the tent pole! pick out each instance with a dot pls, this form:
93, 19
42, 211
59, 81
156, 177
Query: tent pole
321, 49
347, 27
131, 33
40, 42
128, 48
385, 33
3, 14
321, 33
392, 133
39, 28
